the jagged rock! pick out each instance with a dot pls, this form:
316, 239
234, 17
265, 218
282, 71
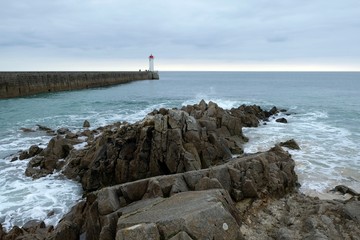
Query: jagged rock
271, 175
14, 233
62, 131
273, 110
47, 159
86, 124
23, 155
66, 230
291, 144
189, 149
70, 135
165, 142
32, 225
33, 150
345, 190
44, 128
281, 120
58, 147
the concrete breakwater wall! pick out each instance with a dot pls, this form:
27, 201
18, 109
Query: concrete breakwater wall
17, 84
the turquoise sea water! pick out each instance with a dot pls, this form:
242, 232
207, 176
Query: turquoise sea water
325, 122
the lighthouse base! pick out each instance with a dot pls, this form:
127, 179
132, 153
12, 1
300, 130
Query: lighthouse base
154, 75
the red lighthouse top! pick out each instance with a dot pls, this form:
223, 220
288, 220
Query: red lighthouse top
151, 56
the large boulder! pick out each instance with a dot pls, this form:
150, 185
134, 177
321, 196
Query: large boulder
201, 214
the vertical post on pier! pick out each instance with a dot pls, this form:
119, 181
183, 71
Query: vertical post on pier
151, 63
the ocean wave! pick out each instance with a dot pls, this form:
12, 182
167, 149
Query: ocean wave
324, 148
23, 199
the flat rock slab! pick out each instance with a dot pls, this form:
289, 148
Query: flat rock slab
200, 214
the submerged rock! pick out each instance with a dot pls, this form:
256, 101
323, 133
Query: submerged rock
281, 120
86, 124
27, 130
291, 144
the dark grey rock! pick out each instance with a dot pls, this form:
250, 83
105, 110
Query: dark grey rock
86, 124
291, 144
281, 120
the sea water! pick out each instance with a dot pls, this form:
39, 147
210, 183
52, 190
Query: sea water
324, 119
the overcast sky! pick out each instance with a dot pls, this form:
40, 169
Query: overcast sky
240, 35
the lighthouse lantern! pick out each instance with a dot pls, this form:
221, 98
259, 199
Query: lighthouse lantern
151, 63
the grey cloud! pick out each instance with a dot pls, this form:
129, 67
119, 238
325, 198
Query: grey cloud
277, 39
258, 30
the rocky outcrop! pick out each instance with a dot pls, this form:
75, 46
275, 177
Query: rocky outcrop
173, 176
167, 141
196, 202
33, 229
49, 159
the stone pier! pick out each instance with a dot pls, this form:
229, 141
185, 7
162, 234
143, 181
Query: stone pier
18, 84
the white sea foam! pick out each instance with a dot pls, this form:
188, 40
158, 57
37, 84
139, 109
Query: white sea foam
324, 149
23, 199
226, 104
80, 145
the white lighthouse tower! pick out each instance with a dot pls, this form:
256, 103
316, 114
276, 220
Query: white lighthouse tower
151, 63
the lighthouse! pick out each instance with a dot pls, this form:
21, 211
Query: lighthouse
151, 63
